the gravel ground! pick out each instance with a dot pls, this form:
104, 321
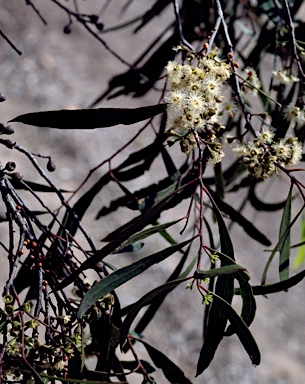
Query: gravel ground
59, 71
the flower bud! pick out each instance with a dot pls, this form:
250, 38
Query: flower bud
7, 299
51, 166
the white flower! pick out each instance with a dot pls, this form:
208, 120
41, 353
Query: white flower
215, 155
293, 114
266, 136
296, 151
253, 79
282, 150
194, 101
228, 106
283, 78
60, 365
211, 87
175, 98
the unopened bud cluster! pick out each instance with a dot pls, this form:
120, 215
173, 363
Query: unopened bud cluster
195, 103
263, 153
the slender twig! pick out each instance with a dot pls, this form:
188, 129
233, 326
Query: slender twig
238, 91
178, 19
294, 43
29, 2
84, 23
56, 190
10, 43
215, 31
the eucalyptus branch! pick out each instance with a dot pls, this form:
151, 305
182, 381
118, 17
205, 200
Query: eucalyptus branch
294, 43
179, 24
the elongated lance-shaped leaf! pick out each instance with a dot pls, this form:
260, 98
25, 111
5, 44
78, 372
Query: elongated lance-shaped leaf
300, 256
122, 275
89, 118
249, 304
276, 287
219, 181
157, 302
171, 371
147, 232
217, 317
145, 300
241, 330
264, 276
285, 244
136, 226
225, 270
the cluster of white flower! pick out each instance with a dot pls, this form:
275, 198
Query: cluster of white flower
262, 154
195, 103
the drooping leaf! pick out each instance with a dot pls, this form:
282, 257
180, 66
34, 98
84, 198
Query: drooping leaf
284, 247
249, 304
224, 288
225, 270
300, 256
219, 181
89, 118
276, 248
145, 300
241, 330
138, 224
158, 300
171, 371
276, 287
122, 275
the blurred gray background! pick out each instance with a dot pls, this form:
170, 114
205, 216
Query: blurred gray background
57, 71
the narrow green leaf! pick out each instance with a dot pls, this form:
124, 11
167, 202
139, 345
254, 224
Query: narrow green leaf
217, 318
276, 287
158, 300
241, 330
89, 118
249, 304
145, 300
146, 233
122, 275
285, 234
225, 270
171, 371
219, 181
300, 256
225, 240
138, 224
129, 248
264, 276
